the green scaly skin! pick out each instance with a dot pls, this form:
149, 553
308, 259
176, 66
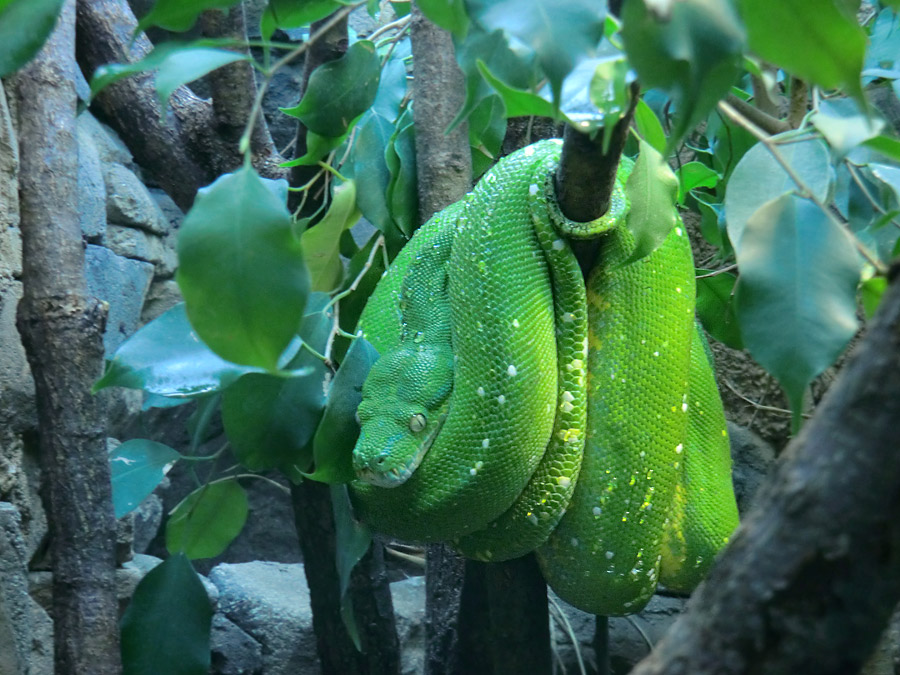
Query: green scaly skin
501, 376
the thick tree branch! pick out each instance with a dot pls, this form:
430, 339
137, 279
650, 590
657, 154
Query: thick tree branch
813, 573
62, 330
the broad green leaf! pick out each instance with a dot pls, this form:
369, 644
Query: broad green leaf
137, 467
337, 433
321, 242
759, 178
365, 269
650, 189
609, 89
241, 270
176, 64
352, 542
207, 520
316, 148
448, 14
871, 292
649, 127
560, 33
270, 420
24, 27
712, 225
166, 358
339, 91
694, 175
178, 15
692, 49
391, 89
843, 126
796, 296
402, 192
518, 102
167, 624
887, 146
370, 170
715, 307
297, 13
487, 128
812, 39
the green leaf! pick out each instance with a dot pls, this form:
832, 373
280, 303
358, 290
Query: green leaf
448, 14
402, 192
137, 467
812, 39
843, 126
871, 292
24, 27
176, 64
649, 127
167, 624
487, 128
352, 541
518, 102
166, 358
715, 307
297, 13
321, 243
370, 170
337, 433
609, 90
241, 270
179, 15
796, 296
694, 175
650, 189
759, 178
207, 520
316, 148
560, 33
692, 49
339, 91
889, 176
270, 420
887, 146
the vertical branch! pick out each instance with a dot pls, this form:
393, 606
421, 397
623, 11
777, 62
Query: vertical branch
444, 168
61, 329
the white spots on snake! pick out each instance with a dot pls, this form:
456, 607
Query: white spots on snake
477, 466
564, 481
532, 518
684, 403
501, 399
485, 443
511, 371
655, 353
576, 364
724, 434
679, 449
533, 189
515, 323
566, 407
679, 231
610, 555
678, 289
567, 396
643, 342
480, 391
568, 317
559, 245
574, 541
529, 151
596, 511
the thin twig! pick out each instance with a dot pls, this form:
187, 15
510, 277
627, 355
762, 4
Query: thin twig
854, 174
399, 23
567, 628
759, 406
275, 483
717, 272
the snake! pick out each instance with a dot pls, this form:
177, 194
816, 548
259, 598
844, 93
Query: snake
517, 408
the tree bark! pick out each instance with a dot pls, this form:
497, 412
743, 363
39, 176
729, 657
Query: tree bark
62, 329
444, 170
813, 573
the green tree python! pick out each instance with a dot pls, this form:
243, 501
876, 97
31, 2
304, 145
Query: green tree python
516, 408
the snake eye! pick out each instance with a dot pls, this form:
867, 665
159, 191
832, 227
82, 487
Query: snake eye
417, 423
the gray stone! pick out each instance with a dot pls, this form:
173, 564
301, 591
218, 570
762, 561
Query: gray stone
147, 519
20, 478
10, 237
41, 655
17, 390
91, 188
752, 459
172, 215
129, 203
109, 146
162, 296
122, 283
82, 88
233, 651
270, 602
409, 614
125, 538
131, 573
15, 610
136, 244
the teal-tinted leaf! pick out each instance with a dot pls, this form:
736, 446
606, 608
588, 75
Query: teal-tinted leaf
370, 171
352, 541
167, 624
884, 47
297, 13
24, 27
391, 89
179, 15
651, 189
402, 192
712, 225
843, 126
270, 420
691, 48
337, 433
560, 33
759, 178
207, 520
695, 175
487, 128
448, 14
321, 243
137, 467
828, 50
166, 358
890, 176
518, 102
609, 91
715, 307
241, 270
796, 296
871, 292
649, 127
339, 91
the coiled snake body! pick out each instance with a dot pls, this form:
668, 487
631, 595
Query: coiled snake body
515, 408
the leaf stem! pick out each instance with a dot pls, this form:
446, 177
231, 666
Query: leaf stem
716, 273
854, 174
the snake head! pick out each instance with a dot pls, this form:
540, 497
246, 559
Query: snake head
405, 399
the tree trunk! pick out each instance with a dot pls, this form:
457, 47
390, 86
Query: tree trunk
62, 330
813, 573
